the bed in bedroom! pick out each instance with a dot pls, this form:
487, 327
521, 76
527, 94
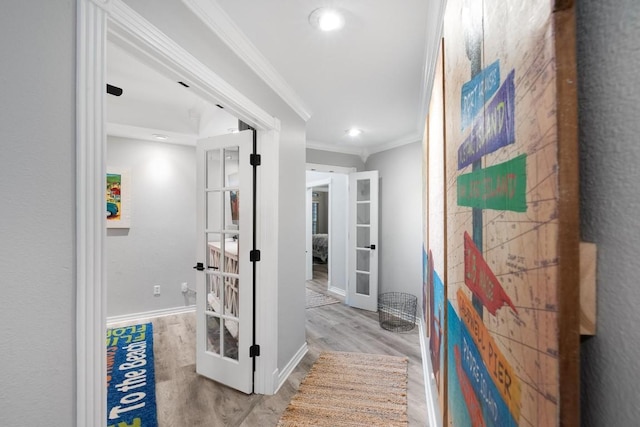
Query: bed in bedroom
320, 246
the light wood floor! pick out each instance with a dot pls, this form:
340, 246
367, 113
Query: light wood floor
186, 399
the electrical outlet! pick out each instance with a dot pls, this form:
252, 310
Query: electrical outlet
184, 287
156, 290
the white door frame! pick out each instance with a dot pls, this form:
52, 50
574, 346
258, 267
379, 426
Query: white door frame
308, 262
94, 19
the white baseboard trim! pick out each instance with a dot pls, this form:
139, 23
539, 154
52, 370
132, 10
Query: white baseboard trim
150, 314
337, 291
430, 389
274, 380
284, 374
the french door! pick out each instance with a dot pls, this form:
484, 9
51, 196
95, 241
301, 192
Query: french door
224, 304
363, 240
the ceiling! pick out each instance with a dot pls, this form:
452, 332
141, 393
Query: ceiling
371, 74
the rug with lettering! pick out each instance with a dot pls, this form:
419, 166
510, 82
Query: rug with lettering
131, 391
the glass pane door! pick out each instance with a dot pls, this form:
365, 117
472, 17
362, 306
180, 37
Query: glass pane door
363, 258
225, 287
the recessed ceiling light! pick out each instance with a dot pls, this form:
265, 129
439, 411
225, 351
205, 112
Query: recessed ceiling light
233, 130
353, 132
326, 19
160, 137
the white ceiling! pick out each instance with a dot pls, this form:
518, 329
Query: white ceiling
370, 74
154, 104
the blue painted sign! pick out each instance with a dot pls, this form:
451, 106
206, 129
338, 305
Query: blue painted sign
477, 91
494, 410
493, 129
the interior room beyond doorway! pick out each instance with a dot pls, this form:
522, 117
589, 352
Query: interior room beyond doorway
327, 251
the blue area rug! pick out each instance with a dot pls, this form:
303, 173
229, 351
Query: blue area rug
131, 389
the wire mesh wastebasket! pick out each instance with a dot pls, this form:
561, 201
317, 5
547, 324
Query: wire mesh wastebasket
397, 311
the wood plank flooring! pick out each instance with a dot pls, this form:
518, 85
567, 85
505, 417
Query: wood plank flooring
186, 399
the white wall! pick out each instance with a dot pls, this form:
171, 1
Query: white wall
609, 89
400, 220
160, 246
174, 19
37, 225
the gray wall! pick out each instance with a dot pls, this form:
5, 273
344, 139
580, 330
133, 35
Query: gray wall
609, 89
323, 211
160, 246
400, 222
37, 229
321, 157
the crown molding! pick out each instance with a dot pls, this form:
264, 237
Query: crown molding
364, 153
316, 145
210, 12
430, 59
408, 139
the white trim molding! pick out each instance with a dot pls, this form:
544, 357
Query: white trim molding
94, 19
150, 314
315, 167
267, 269
342, 293
288, 369
435, 24
434, 419
91, 295
408, 139
210, 12
364, 153
322, 146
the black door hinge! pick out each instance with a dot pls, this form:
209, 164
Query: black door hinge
254, 350
254, 255
199, 266
255, 159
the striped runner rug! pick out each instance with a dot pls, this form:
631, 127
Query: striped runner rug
351, 389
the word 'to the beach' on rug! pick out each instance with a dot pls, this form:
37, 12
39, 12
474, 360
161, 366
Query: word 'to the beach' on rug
351, 389
316, 299
131, 389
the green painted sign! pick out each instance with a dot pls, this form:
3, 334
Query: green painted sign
500, 187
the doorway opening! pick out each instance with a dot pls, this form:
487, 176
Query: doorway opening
327, 247
95, 20
320, 222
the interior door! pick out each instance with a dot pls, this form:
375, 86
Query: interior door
363, 240
224, 304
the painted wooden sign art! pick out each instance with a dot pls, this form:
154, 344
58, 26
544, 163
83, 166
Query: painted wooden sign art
511, 215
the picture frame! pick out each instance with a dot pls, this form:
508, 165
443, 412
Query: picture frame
118, 197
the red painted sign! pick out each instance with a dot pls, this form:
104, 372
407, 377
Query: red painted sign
481, 280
